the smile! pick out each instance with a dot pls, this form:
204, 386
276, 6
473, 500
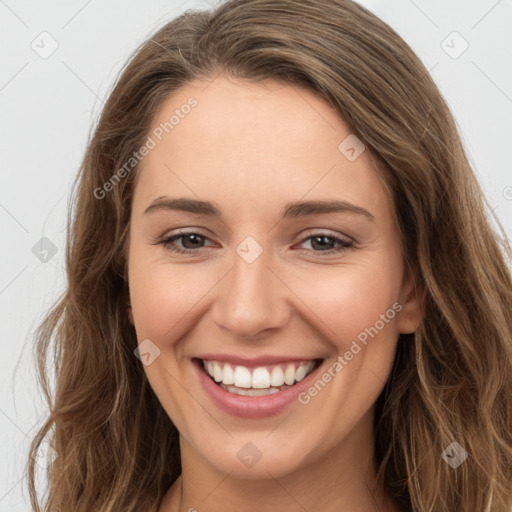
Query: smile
258, 381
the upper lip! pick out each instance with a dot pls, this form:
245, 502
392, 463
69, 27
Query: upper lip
249, 362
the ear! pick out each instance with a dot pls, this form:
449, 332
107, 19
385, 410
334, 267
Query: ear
411, 300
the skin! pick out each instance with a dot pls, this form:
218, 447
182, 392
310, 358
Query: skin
251, 148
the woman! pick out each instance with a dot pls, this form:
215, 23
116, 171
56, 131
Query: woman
283, 290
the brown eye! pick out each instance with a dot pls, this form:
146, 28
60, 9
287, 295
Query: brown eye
327, 243
190, 242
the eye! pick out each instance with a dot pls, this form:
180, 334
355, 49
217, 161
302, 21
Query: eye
191, 241
326, 243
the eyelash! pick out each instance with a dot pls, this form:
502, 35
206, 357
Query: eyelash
168, 241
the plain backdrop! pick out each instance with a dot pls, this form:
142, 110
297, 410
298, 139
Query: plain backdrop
58, 60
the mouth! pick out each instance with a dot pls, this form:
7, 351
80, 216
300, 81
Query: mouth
260, 380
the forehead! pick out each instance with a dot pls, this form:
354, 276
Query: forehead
248, 141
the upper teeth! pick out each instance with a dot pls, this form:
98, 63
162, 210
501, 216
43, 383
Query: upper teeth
262, 377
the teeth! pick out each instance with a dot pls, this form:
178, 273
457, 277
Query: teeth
228, 375
217, 372
300, 373
260, 378
289, 375
261, 381
242, 377
277, 376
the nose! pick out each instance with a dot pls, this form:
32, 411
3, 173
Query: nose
251, 299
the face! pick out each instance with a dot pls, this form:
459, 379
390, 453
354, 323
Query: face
266, 277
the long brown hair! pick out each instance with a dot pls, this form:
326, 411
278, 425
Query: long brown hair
452, 379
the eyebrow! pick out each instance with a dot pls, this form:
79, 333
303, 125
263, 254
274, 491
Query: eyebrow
290, 210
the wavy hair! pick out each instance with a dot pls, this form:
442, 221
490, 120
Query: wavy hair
452, 379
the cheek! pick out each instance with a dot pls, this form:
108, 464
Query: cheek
350, 299
163, 296
163, 299
356, 308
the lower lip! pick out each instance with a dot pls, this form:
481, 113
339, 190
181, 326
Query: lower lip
251, 406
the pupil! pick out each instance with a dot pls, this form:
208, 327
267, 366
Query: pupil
317, 238
188, 238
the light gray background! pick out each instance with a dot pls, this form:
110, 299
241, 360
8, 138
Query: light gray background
47, 107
